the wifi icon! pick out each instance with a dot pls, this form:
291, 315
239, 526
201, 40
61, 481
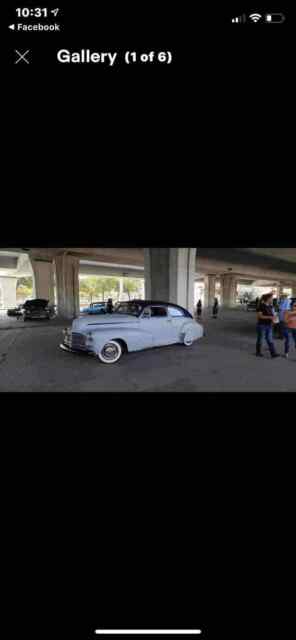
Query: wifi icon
255, 17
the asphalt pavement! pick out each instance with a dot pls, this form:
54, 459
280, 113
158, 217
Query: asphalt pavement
224, 360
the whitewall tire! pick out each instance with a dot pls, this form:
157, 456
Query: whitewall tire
111, 352
188, 340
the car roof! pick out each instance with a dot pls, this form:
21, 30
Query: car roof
148, 303
36, 301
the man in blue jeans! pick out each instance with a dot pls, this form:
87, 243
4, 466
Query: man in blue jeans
265, 319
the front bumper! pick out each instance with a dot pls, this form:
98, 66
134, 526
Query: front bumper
65, 347
37, 316
75, 342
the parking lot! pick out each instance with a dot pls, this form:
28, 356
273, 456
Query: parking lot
224, 360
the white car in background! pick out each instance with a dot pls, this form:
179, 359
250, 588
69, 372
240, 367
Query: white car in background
134, 326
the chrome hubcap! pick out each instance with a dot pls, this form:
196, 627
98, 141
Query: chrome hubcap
110, 351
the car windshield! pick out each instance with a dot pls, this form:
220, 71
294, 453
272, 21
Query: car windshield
131, 308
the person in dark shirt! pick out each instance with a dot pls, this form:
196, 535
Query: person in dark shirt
109, 305
215, 308
265, 320
199, 309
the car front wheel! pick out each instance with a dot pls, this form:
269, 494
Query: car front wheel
111, 352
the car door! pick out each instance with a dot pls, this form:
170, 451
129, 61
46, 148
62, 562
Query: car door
178, 320
160, 325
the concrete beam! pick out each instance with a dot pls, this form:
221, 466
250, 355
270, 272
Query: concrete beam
169, 275
8, 289
8, 262
117, 271
245, 264
67, 282
210, 289
228, 291
277, 265
43, 285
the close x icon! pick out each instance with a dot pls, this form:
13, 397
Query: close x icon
21, 56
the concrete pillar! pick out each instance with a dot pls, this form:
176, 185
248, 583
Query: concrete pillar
67, 283
228, 290
169, 275
120, 288
142, 288
210, 289
42, 278
8, 286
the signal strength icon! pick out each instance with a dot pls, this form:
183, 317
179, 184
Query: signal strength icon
255, 17
239, 18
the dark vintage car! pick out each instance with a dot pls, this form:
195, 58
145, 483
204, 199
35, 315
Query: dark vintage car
38, 309
16, 312
252, 305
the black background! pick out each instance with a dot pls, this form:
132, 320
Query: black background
173, 512
205, 136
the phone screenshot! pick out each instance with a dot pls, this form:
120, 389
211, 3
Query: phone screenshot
147, 495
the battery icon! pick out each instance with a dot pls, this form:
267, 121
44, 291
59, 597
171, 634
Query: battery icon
275, 18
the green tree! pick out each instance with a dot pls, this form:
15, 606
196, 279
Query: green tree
89, 287
108, 286
24, 287
130, 286
96, 287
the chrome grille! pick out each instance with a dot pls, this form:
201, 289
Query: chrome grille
78, 341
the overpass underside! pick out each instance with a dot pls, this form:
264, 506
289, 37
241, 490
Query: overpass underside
170, 273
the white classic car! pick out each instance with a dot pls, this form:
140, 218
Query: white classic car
135, 325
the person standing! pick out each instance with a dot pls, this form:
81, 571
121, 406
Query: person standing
265, 320
284, 306
109, 305
290, 328
199, 309
215, 308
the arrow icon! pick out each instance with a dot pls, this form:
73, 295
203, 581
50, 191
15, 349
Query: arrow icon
11, 26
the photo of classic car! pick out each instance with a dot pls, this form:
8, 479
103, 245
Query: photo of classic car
95, 308
134, 326
38, 309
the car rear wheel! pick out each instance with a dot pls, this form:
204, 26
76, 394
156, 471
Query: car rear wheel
111, 352
188, 340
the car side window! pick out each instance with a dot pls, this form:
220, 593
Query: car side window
174, 312
158, 312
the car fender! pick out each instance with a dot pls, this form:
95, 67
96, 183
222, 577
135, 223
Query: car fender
135, 339
192, 327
